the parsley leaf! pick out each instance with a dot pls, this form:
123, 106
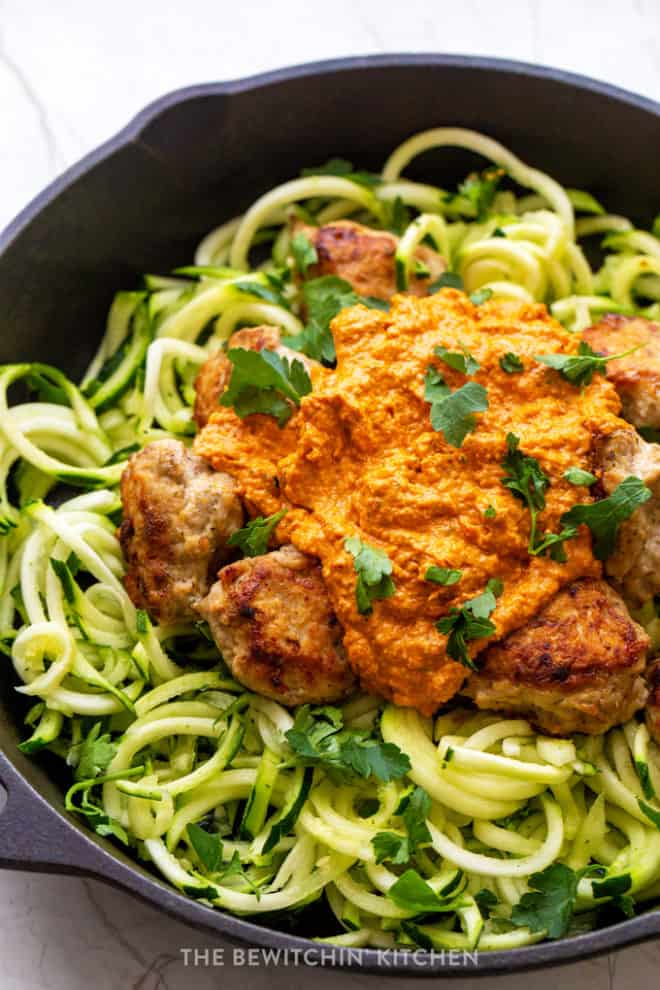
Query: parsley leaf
398, 848
486, 900
460, 360
580, 368
448, 280
511, 363
270, 295
480, 296
443, 575
94, 754
452, 413
528, 482
374, 570
392, 847
345, 170
612, 886
471, 621
412, 893
253, 539
260, 380
549, 905
476, 193
324, 298
577, 476
319, 739
207, 846
304, 253
603, 518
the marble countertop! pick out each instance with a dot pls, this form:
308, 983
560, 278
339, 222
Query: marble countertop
72, 73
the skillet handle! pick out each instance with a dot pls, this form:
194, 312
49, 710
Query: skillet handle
35, 836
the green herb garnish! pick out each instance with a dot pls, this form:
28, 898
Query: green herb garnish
580, 368
470, 621
604, 518
318, 738
443, 575
263, 381
253, 538
374, 573
511, 363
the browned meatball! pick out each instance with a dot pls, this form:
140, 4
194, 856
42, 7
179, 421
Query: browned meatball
653, 703
365, 258
634, 567
637, 376
575, 667
213, 376
178, 515
273, 623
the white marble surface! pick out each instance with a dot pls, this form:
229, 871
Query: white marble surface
71, 73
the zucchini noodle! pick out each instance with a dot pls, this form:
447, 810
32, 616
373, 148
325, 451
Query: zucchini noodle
162, 740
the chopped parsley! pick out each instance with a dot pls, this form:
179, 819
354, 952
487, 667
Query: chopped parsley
548, 906
412, 893
603, 518
269, 293
398, 848
528, 482
577, 476
448, 280
253, 539
460, 360
324, 298
470, 621
452, 413
304, 253
93, 755
262, 382
443, 575
344, 169
580, 368
374, 573
318, 738
480, 296
208, 847
511, 363
476, 193
490, 512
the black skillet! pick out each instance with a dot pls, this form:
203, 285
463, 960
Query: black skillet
141, 202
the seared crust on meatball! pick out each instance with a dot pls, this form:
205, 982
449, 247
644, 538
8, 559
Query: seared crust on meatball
637, 376
213, 376
273, 623
634, 567
653, 703
575, 667
365, 258
178, 515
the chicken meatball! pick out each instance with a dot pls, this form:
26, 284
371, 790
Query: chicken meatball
634, 567
653, 703
178, 516
273, 623
213, 376
575, 667
637, 376
365, 258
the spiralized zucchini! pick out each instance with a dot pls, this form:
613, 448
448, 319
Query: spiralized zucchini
164, 744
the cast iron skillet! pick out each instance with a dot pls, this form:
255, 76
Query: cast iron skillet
142, 201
